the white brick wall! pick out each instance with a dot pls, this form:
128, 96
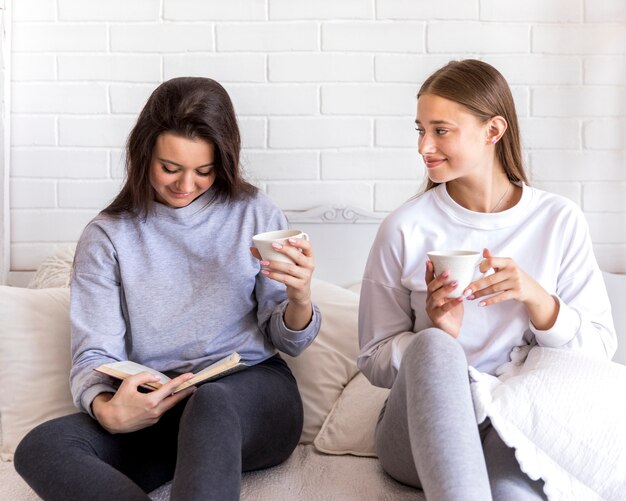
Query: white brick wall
318, 67
111, 10
222, 67
162, 37
374, 99
586, 39
410, 9
321, 9
554, 11
373, 165
605, 134
378, 36
319, 132
268, 100
471, 37
58, 98
28, 130
267, 37
94, 131
233, 10
325, 94
109, 68
59, 37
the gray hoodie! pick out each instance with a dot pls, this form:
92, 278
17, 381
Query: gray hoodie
176, 292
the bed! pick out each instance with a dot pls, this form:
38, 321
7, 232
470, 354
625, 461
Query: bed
335, 459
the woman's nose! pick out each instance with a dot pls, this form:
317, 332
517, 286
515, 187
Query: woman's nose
425, 144
186, 182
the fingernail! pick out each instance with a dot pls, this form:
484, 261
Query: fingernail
265, 272
292, 240
445, 274
467, 292
265, 263
471, 298
454, 283
482, 303
276, 245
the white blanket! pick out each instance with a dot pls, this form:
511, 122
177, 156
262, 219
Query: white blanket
565, 414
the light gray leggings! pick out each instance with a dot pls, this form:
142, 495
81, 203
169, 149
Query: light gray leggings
427, 435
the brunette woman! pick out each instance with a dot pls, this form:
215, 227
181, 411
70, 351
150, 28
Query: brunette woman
164, 276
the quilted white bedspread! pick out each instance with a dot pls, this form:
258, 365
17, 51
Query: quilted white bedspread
565, 414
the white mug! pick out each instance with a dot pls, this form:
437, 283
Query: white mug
263, 242
460, 263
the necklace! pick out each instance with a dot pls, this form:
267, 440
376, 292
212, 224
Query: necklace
501, 198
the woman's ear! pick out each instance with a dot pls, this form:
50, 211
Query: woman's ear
496, 127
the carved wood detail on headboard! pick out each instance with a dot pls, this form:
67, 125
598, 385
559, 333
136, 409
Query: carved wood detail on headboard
337, 214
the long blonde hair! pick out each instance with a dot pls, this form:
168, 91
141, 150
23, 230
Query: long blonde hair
485, 93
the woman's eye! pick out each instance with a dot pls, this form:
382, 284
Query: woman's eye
204, 174
419, 131
441, 132
165, 169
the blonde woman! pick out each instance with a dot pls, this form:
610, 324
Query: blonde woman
541, 283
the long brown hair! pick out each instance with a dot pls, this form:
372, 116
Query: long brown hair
192, 107
481, 89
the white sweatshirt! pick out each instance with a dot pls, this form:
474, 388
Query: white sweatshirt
545, 234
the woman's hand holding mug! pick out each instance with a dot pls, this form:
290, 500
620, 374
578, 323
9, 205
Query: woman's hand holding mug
287, 257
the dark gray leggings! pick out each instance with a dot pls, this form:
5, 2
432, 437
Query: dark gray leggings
427, 434
245, 421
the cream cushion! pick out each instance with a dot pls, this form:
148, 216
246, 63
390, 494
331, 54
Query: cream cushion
329, 363
34, 361
54, 271
350, 426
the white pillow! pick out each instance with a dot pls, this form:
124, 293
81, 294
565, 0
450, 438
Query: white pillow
350, 426
326, 366
34, 361
55, 270
565, 414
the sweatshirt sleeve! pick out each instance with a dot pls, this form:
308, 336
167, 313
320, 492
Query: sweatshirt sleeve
272, 301
385, 314
584, 321
97, 322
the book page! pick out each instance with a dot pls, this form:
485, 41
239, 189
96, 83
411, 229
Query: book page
126, 368
224, 366
131, 368
217, 367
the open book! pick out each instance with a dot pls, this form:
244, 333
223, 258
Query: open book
126, 368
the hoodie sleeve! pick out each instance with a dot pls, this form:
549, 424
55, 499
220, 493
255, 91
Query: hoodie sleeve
97, 322
584, 321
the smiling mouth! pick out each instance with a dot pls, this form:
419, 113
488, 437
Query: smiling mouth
431, 163
179, 195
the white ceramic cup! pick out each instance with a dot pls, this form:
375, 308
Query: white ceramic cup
461, 264
263, 242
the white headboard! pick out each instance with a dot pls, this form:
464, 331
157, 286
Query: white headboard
341, 238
